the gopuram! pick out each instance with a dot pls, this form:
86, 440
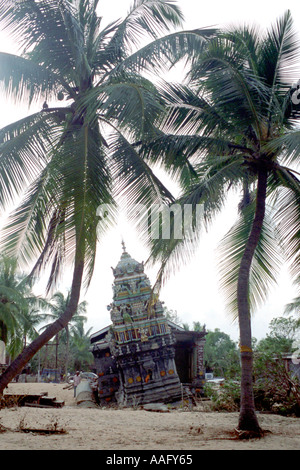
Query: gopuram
135, 357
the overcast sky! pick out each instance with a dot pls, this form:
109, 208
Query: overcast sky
193, 292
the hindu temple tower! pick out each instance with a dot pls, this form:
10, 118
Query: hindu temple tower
135, 355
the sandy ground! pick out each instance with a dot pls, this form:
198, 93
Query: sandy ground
132, 429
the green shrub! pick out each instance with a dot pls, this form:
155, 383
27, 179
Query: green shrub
224, 397
275, 389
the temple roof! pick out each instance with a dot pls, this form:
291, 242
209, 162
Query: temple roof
127, 265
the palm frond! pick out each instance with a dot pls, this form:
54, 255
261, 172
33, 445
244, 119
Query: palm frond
190, 112
146, 18
246, 39
287, 147
60, 199
174, 153
23, 80
23, 153
266, 263
279, 53
133, 175
178, 233
231, 85
287, 216
170, 254
42, 30
13, 297
164, 53
131, 102
294, 306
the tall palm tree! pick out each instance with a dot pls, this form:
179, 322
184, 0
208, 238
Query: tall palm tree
232, 128
71, 156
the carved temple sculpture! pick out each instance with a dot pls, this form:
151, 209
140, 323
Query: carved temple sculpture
142, 357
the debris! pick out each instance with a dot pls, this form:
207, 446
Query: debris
68, 387
3, 428
243, 434
44, 431
158, 407
40, 400
85, 397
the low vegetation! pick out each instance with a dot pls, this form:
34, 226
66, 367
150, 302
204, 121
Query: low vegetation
275, 389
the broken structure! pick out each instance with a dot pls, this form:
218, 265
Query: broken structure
142, 357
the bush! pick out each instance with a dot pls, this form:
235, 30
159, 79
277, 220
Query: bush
275, 389
224, 397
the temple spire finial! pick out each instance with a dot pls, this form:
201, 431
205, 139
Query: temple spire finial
123, 246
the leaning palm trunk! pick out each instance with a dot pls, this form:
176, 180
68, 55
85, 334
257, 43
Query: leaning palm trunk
247, 419
19, 363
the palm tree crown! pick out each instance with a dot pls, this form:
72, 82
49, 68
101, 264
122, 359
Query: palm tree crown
232, 120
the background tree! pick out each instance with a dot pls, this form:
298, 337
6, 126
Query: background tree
283, 332
221, 355
80, 342
76, 153
20, 310
276, 388
196, 326
172, 315
57, 305
53, 354
13, 303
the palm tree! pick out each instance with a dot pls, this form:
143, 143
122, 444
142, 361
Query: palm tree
12, 297
57, 305
231, 128
80, 342
71, 156
19, 308
27, 329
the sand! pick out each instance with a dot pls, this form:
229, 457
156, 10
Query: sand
132, 429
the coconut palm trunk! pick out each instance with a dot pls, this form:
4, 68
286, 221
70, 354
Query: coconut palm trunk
247, 418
